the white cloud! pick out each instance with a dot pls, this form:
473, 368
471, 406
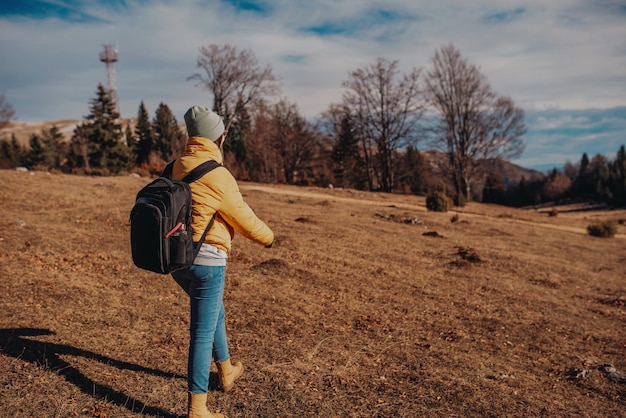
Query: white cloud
566, 54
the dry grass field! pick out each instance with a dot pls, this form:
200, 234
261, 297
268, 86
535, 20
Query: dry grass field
367, 306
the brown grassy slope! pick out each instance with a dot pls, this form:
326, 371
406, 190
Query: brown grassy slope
352, 314
23, 131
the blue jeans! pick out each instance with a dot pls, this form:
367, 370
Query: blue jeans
207, 328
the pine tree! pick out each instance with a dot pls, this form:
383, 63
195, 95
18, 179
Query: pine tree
346, 163
494, 190
618, 171
583, 183
11, 153
18, 151
415, 171
77, 156
598, 177
35, 154
130, 138
97, 143
603, 178
6, 154
169, 139
144, 141
522, 195
55, 148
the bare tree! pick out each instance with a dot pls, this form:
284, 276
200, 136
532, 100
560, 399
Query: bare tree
294, 140
474, 123
283, 145
386, 108
234, 78
263, 163
7, 113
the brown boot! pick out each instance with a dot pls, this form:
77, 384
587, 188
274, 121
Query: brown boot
228, 373
196, 407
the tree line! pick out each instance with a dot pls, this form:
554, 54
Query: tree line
368, 140
599, 179
100, 145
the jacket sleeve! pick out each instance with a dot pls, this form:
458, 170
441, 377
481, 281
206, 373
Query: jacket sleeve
240, 216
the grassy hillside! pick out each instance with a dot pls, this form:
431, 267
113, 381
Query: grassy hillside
367, 306
23, 131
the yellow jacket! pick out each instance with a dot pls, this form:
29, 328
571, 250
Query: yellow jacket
218, 192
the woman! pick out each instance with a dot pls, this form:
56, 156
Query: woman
215, 193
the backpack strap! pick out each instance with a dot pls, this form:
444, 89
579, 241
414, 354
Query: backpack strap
167, 171
192, 176
197, 172
197, 245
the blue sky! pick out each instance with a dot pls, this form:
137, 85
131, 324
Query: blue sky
562, 61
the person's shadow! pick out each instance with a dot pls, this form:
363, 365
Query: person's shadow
14, 344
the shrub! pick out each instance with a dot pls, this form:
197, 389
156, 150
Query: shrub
553, 212
455, 218
437, 202
602, 229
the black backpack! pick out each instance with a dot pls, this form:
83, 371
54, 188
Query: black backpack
161, 238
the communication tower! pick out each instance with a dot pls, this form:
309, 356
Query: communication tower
109, 57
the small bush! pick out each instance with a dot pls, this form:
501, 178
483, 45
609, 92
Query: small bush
455, 218
553, 212
602, 229
621, 221
437, 202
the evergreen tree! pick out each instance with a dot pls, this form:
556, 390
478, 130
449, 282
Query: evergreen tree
35, 155
100, 139
11, 153
522, 196
494, 190
347, 165
582, 186
18, 151
6, 154
55, 148
169, 139
618, 175
144, 140
77, 156
415, 171
130, 138
598, 176
527, 192
601, 176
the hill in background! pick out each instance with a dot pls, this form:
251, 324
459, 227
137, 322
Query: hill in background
510, 173
24, 130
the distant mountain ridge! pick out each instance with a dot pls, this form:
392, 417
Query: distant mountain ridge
510, 173
24, 130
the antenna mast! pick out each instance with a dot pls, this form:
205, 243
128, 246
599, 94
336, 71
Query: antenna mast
109, 57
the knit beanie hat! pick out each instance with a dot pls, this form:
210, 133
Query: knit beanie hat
203, 122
